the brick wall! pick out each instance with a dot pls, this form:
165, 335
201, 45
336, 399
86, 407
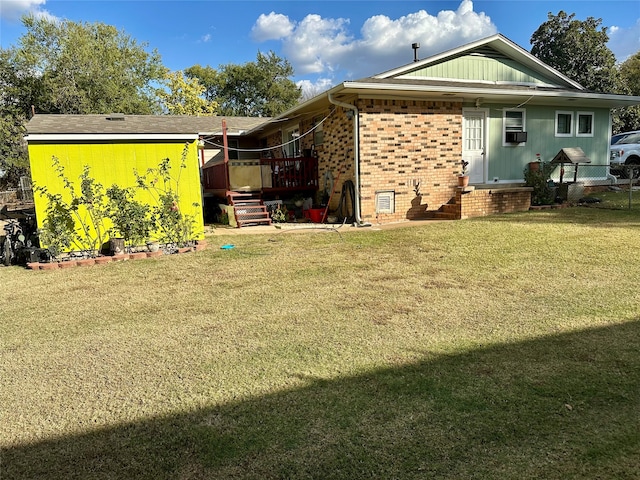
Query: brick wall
406, 142
483, 202
335, 153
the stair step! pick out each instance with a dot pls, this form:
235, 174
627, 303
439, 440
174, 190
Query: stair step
444, 216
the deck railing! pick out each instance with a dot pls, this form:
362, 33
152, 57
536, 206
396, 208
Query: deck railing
278, 175
300, 173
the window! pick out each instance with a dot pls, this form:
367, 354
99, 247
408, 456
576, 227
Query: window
584, 124
513, 122
318, 134
233, 149
291, 139
564, 124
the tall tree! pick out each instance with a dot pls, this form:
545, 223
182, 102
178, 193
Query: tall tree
256, 89
87, 68
69, 67
626, 119
183, 96
578, 49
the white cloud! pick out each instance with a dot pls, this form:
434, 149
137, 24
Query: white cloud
624, 42
326, 45
12, 10
272, 27
205, 38
312, 88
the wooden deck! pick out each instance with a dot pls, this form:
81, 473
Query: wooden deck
279, 176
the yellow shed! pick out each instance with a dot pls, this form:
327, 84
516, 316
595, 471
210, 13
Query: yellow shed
117, 149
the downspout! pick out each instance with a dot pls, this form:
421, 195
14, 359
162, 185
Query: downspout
356, 153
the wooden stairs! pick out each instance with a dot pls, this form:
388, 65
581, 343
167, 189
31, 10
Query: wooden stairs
248, 209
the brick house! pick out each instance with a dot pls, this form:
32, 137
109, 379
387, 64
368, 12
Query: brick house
399, 137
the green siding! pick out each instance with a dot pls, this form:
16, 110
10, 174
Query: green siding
508, 162
480, 68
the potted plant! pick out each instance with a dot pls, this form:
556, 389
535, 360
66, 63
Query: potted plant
463, 178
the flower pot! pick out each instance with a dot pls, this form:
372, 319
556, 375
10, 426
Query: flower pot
153, 246
463, 180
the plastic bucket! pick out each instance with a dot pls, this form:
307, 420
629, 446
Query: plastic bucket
315, 214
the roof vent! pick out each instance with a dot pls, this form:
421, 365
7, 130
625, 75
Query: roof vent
118, 117
415, 47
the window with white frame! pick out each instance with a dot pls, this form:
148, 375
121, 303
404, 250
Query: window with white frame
513, 121
291, 140
318, 134
564, 124
584, 124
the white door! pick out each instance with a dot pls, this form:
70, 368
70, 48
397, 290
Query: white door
473, 143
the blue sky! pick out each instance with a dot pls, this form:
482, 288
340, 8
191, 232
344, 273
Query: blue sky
325, 41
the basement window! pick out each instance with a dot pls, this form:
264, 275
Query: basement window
385, 201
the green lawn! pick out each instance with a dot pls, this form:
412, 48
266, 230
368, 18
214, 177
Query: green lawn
497, 348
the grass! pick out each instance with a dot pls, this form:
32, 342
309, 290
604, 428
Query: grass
618, 200
503, 347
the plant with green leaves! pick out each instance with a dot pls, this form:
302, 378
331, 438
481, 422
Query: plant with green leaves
59, 230
174, 226
540, 180
87, 209
132, 220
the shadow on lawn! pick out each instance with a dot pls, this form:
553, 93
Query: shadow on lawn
559, 407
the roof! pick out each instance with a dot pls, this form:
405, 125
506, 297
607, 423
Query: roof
491, 46
119, 124
540, 84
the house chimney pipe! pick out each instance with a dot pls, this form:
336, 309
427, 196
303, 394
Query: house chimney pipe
415, 47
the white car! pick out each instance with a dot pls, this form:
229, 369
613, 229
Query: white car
624, 152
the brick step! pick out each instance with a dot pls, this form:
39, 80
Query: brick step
444, 216
449, 208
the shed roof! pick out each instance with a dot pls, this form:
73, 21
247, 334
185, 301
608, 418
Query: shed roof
115, 124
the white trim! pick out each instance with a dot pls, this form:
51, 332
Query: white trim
501, 44
504, 126
480, 82
85, 137
486, 137
584, 114
555, 128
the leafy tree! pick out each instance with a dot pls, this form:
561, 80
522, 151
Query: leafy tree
626, 119
69, 67
88, 68
184, 96
14, 161
578, 49
258, 89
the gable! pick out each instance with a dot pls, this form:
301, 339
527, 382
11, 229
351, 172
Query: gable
481, 65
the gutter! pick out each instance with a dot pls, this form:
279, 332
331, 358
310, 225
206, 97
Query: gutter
356, 152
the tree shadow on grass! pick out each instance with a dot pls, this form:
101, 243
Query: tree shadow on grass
561, 407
